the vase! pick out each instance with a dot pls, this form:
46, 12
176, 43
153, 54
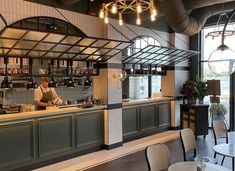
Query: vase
191, 101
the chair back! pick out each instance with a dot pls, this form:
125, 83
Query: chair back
158, 157
188, 141
219, 130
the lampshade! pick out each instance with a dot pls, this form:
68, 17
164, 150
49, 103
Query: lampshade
87, 82
6, 83
53, 83
213, 87
70, 83
31, 84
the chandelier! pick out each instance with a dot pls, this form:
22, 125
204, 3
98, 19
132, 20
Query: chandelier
128, 6
217, 32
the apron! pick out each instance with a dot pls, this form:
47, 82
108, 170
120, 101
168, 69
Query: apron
46, 97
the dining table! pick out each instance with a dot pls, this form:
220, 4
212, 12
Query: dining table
192, 166
227, 150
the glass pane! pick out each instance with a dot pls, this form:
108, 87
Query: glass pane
44, 46
25, 44
138, 87
35, 35
55, 38
7, 43
71, 40
17, 53
86, 42
36, 54
76, 49
156, 86
61, 48
13, 33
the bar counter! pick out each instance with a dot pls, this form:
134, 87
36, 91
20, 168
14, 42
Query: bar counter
31, 138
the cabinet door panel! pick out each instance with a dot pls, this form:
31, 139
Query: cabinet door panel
164, 114
89, 130
147, 117
130, 120
16, 142
55, 135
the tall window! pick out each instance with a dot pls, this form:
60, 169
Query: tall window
139, 85
209, 46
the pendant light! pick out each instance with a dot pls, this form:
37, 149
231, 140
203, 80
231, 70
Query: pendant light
6, 83
70, 82
31, 83
88, 82
52, 82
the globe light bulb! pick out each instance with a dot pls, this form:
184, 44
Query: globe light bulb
222, 61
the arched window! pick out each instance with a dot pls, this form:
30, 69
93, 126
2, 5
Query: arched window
48, 24
140, 43
139, 85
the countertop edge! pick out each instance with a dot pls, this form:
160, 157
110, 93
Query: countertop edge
151, 100
43, 113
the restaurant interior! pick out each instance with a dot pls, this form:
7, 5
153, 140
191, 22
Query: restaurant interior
102, 85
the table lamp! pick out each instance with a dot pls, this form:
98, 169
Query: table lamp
214, 90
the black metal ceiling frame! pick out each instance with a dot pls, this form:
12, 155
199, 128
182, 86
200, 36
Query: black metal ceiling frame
102, 57
161, 56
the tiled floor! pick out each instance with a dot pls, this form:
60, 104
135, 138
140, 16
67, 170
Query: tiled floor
97, 158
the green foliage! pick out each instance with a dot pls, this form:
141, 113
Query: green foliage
218, 109
195, 88
202, 88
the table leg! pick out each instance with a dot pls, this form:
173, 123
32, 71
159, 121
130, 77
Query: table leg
233, 164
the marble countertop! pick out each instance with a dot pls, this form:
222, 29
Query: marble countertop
147, 100
50, 112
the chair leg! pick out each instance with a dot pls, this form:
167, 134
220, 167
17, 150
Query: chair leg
222, 160
215, 155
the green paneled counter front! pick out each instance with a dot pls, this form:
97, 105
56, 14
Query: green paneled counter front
33, 137
145, 117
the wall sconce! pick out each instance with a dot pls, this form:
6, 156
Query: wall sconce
121, 76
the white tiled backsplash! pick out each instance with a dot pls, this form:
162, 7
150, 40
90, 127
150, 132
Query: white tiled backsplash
27, 96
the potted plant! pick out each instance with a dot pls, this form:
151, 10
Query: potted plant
189, 90
202, 89
217, 111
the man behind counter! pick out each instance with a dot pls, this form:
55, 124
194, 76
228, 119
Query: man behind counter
43, 95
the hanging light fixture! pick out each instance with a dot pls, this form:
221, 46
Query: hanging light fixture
70, 82
31, 83
52, 82
222, 55
6, 83
128, 6
88, 81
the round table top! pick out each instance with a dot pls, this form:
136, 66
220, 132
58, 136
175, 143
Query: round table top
225, 149
192, 166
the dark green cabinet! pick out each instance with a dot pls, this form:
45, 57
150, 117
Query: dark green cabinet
27, 142
164, 114
145, 119
89, 130
130, 120
147, 116
16, 142
55, 134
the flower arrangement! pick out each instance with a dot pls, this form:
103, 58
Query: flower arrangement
193, 89
190, 90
